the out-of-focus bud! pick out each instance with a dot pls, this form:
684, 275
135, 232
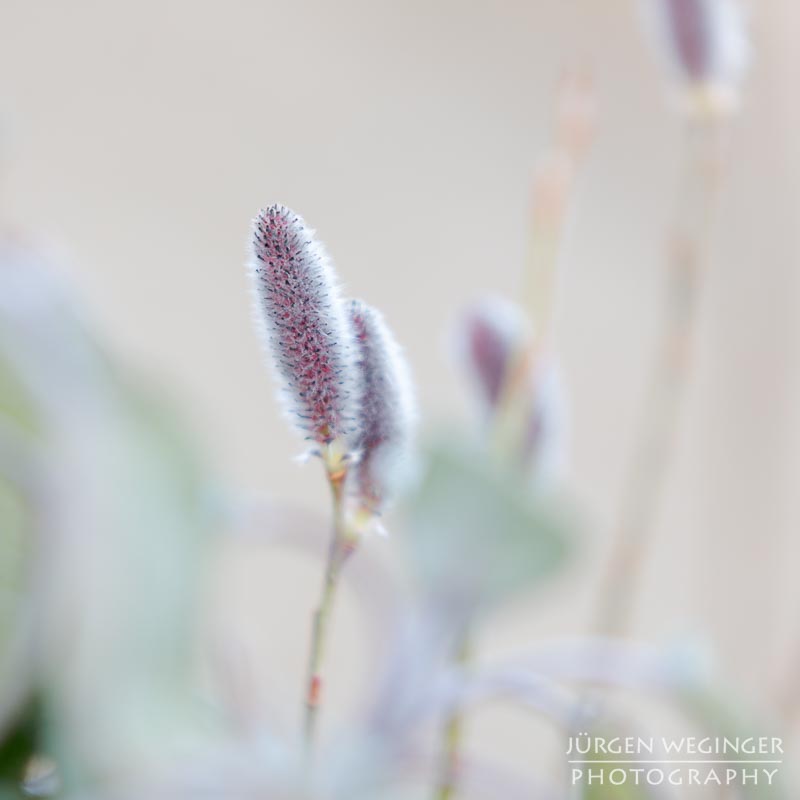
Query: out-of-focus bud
386, 411
495, 341
299, 311
705, 46
490, 331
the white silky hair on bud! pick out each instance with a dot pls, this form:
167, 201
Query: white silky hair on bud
700, 41
303, 324
387, 410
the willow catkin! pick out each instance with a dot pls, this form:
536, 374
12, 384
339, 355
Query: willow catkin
386, 411
491, 335
703, 43
302, 317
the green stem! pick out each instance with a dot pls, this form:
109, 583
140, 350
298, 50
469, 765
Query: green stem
341, 547
452, 737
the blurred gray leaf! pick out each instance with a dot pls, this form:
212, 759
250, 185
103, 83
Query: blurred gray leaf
478, 534
18, 431
122, 527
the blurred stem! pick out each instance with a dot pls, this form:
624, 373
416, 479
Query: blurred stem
452, 735
686, 260
552, 195
341, 546
553, 188
552, 184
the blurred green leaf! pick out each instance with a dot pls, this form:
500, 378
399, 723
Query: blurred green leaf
122, 533
607, 791
14, 550
604, 789
18, 423
477, 532
18, 429
124, 686
722, 715
19, 745
601, 786
15, 404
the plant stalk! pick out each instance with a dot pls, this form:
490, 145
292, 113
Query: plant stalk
452, 736
671, 371
341, 546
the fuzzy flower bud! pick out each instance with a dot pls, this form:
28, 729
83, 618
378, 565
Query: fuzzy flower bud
704, 43
492, 334
491, 331
386, 408
304, 325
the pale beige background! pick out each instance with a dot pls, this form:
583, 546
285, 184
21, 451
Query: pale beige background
142, 137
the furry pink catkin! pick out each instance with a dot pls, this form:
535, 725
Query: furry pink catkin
689, 23
702, 41
385, 408
304, 325
490, 334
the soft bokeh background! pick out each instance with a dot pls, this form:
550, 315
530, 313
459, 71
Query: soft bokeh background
142, 137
